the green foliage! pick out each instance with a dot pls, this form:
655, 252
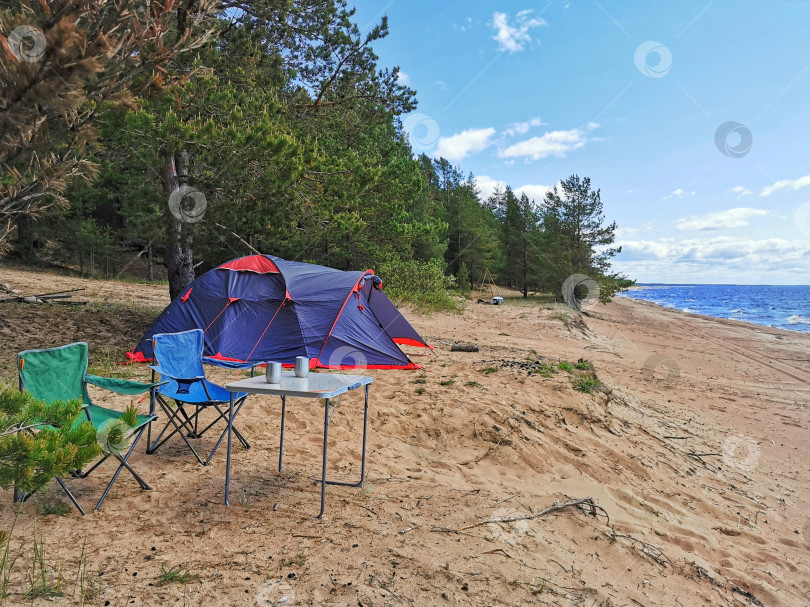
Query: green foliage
583, 365
463, 278
39, 584
6, 560
39, 441
175, 575
564, 365
544, 369
51, 506
585, 383
488, 370
447, 382
575, 238
291, 130
297, 561
473, 384
612, 284
418, 282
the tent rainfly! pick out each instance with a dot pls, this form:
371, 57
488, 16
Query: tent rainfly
260, 308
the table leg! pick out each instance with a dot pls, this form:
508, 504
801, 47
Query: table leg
363, 461
365, 429
228, 459
281, 446
325, 443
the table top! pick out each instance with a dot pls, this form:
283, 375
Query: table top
314, 385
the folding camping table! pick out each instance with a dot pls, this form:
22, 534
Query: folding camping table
324, 386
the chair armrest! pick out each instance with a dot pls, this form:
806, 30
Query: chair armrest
121, 386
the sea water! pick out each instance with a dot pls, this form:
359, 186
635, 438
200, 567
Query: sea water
785, 307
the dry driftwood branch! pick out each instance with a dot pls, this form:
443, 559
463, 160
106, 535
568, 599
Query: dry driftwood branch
556, 507
647, 549
464, 348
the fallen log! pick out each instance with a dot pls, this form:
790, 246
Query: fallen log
464, 348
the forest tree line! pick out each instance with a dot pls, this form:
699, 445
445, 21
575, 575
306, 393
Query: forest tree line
279, 114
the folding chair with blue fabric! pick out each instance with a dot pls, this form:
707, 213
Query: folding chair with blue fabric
178, 358
55, 374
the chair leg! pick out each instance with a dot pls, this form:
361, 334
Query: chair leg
151, 447
224, 418
81, 474
224, 432
125, 464
69, 494
178, 429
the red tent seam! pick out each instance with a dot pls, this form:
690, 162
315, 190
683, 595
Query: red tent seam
328, 335
281, 305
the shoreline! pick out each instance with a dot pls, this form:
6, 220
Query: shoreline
708, 316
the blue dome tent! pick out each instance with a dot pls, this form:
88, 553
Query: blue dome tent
261, 308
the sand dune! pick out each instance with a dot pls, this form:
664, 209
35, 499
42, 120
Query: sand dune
695, 448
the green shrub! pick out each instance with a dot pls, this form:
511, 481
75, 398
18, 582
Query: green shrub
38, 441
564, 365
585, 383
544, 369
421, 283
463, 278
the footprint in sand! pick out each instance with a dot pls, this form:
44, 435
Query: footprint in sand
275, 593
430, 448
806, 532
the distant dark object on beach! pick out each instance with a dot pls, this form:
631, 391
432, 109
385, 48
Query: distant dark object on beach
464, 348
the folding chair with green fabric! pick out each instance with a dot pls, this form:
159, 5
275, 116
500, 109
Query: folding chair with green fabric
61, 374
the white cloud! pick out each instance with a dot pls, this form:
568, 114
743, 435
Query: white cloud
784, 184
722, 249
441, 84
534, 191
403, 78
732, 218
511, 38
719, 259
679, 193
741, 191
631, 232
458, 146
487, 185
521, 128
552, 143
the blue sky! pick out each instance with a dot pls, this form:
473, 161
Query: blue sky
692, 117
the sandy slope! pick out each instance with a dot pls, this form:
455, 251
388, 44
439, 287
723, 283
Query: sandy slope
697, 453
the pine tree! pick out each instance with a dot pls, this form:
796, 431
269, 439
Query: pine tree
574, 234
61, 62
39, 441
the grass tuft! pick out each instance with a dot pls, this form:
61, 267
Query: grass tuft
176, 575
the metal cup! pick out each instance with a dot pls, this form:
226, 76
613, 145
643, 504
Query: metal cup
301, 366
272, 373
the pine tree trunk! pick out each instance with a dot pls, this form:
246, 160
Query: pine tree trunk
150, 274
179, 255
25, 237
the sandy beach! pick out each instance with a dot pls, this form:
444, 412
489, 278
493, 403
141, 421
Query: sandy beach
693, 446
